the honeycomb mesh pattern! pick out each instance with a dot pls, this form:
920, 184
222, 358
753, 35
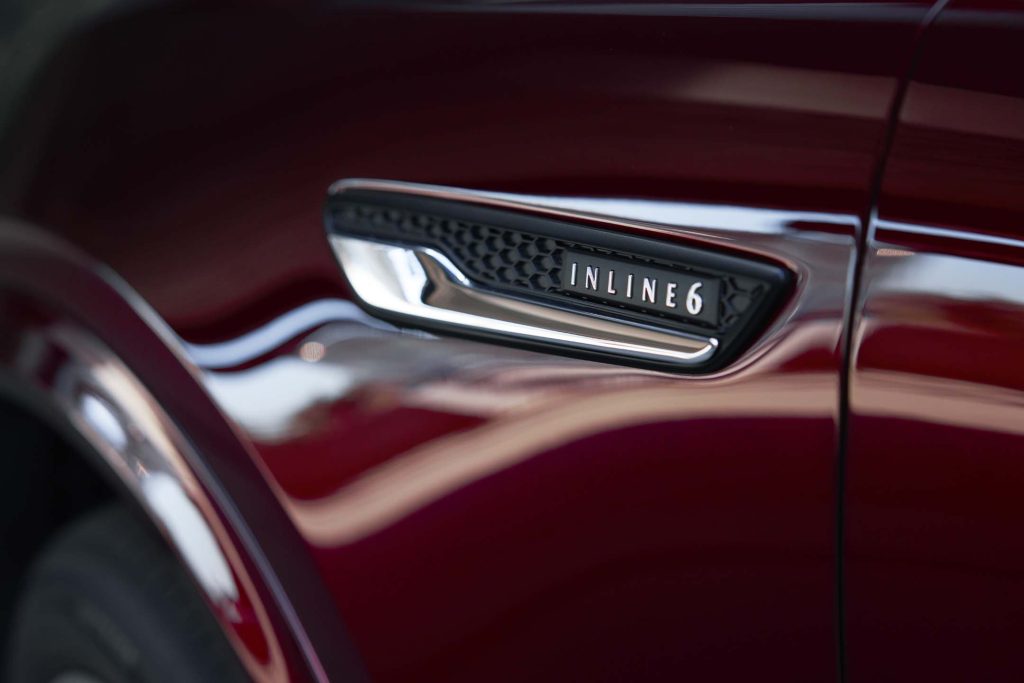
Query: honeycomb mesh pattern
503, 258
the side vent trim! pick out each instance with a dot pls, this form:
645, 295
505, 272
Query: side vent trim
467, 269
420, 286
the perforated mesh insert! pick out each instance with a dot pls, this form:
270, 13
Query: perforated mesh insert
509, 259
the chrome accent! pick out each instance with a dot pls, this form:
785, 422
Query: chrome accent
421, 284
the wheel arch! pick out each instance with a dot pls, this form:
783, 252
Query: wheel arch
46, 483
102, 375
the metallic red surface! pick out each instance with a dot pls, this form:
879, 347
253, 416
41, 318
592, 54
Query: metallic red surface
192, 149
937, 393
469, 511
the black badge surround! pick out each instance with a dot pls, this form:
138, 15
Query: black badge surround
528, 257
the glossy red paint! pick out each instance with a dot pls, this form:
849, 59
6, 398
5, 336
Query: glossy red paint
469, 511
937, 389
192, 149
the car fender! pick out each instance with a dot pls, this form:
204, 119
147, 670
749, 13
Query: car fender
129, 396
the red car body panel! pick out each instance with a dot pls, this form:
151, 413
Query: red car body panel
934, 462
452, 510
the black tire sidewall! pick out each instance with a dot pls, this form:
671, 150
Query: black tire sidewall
108, 599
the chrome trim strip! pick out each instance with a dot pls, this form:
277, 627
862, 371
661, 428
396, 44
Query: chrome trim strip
420, 283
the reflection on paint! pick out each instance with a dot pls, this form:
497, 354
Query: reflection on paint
193, 539
344, 376
242, 349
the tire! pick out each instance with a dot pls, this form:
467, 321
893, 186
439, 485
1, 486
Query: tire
107, 602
